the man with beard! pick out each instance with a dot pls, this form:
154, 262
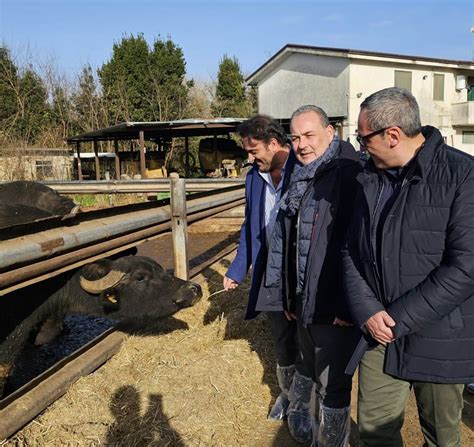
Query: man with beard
266, 142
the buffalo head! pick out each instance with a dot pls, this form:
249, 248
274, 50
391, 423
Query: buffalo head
135, 287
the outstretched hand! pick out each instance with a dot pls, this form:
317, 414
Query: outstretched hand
380, 327
229, 283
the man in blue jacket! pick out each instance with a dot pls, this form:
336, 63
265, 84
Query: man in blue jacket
409, 273
266, 142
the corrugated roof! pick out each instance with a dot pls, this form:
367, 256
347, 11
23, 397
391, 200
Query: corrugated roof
161, 129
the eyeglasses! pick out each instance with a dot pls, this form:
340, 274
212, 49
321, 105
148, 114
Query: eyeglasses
363, 139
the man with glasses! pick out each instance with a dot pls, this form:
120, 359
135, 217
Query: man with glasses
362, 140
409, 274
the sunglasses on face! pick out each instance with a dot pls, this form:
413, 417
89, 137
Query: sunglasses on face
364, 139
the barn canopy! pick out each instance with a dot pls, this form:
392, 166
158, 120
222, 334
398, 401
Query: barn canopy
161, 129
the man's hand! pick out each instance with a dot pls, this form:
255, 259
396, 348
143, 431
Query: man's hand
289, 316
229, 283
380, 327
339, 322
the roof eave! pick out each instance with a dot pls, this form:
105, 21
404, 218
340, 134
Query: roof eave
285, 51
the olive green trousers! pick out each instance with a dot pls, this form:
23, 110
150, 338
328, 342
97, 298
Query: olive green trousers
382, 400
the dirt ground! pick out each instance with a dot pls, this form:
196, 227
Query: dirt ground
202, 378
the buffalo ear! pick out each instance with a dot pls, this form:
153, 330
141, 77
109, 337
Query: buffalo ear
97, 269
109, 301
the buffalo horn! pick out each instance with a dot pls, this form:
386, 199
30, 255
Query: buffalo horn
99, 285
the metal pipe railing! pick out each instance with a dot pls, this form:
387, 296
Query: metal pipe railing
137, 186
65, 247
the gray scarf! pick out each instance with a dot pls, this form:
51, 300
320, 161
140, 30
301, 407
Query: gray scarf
301, 178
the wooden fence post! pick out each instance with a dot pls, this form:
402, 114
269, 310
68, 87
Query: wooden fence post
142, 154
117, 160
179, 225
96, 157
79, 166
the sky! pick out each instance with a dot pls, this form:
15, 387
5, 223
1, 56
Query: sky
73, 33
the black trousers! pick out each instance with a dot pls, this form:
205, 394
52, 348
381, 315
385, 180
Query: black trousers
328, 348
286, 343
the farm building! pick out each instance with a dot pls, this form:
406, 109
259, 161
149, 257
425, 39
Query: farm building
140, 149
338, 80
36, 164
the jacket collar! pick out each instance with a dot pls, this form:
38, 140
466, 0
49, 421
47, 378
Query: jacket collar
344, 153
423, 159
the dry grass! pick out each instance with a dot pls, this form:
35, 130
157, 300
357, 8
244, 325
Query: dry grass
202, 379
94, 201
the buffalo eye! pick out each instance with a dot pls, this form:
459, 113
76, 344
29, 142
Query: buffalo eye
140, 276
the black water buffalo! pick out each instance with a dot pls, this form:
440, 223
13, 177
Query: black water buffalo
25, 201
130, 289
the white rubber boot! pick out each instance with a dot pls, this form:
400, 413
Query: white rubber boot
280, 407
334, 427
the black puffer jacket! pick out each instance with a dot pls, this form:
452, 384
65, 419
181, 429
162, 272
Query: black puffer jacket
320, 285
426, 279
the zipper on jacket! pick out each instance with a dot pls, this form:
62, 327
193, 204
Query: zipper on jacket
300, 288
405, 182
297, 264
372, 234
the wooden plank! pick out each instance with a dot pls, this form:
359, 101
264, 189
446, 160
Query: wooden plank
96, 158
142, 154
117, 160
79, 166
29, 405
179, 226
186, 162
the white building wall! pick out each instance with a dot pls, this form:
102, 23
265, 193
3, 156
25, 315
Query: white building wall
339, 84
23, 167
305, 79
367, 77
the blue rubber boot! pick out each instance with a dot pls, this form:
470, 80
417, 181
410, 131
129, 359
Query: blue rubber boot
280, 407
299, 411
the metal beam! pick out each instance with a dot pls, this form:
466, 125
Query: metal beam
138, 186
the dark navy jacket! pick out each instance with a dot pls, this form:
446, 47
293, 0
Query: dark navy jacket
425, 278
252, 250
322, 297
